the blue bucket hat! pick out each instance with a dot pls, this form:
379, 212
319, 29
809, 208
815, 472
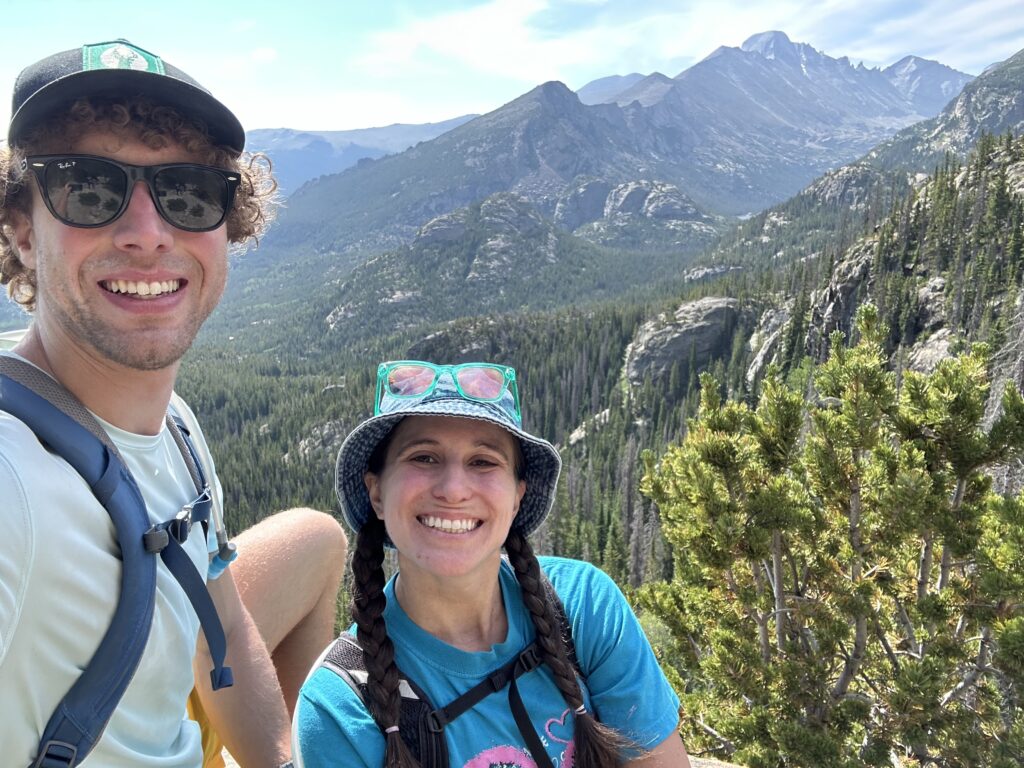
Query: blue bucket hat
542, 463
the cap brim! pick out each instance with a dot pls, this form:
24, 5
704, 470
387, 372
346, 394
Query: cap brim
193, 102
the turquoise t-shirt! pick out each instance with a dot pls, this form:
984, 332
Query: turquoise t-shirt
625, 686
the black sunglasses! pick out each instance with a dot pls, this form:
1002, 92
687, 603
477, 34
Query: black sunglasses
90, 191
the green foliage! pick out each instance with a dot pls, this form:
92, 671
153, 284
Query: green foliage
846, 586
774, 471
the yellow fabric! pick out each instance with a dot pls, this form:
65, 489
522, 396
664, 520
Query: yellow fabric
212, 745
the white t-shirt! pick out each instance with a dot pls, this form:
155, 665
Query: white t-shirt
60, 574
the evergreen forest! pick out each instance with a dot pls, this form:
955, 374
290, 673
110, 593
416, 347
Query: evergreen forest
826, 551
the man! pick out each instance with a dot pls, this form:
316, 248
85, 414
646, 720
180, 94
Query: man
122, 184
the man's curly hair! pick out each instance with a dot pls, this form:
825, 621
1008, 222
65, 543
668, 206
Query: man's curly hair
154, 125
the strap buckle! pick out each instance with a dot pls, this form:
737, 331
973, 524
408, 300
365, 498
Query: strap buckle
159, 536
529, 660
56, 754
435, 721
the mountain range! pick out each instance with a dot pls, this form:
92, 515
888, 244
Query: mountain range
743, 129
299, 156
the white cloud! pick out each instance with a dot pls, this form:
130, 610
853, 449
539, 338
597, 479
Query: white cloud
498, 39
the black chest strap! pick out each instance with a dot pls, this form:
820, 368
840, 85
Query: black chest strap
422, 725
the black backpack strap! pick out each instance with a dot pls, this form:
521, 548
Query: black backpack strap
345, 659
527, 661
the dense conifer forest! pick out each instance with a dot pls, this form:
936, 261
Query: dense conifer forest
277, 418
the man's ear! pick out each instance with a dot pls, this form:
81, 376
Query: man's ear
24, 237
373, 490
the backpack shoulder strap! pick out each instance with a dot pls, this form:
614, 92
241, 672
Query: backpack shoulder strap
64, 426
345, 659
60, 424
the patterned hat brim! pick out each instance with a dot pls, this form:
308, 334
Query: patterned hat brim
541, 460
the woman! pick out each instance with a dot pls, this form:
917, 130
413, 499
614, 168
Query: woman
444, 473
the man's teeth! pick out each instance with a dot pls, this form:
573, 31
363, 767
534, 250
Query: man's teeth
449, 526
155, 288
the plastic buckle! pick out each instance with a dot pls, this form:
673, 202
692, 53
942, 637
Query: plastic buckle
56, 754
529, 659
181, 525
156, 539
435, 722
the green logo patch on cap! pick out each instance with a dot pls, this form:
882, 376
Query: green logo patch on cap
120, 54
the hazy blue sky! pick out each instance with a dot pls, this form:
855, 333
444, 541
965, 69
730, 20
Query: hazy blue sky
334, 64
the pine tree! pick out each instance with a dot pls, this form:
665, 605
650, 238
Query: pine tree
844, 576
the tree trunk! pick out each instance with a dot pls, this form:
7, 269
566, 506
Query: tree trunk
778, 587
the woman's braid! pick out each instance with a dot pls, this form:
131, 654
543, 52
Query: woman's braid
368, 601
520, 555
597, 745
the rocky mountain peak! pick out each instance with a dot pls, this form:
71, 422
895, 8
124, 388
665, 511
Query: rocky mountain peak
553, 94
777, 46
927, 84
993, 103
772, 44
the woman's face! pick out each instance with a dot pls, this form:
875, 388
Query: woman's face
447, 494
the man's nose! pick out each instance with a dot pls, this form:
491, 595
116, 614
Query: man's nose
140, 227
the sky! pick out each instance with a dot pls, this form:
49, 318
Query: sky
343, 64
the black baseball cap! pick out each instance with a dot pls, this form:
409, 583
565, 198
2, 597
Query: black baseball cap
115, 69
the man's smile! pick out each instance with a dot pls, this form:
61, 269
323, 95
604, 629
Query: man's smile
141, 288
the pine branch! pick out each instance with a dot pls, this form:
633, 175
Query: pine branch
979, 668
724, 744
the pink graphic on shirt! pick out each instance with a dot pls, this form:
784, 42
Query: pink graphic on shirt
556, 729
502, 757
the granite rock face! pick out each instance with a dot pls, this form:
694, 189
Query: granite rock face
833, 307
698, 330
766, 341
582, 204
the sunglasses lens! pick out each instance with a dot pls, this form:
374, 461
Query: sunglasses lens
406, 380
482, 383
192, 197
84, 191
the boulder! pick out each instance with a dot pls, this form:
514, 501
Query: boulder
766, 340
698, 330
927, 353
582, 205
931, 297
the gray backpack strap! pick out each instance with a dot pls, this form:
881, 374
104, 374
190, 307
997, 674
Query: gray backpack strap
33, 378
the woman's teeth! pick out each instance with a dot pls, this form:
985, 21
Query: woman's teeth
449, 526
